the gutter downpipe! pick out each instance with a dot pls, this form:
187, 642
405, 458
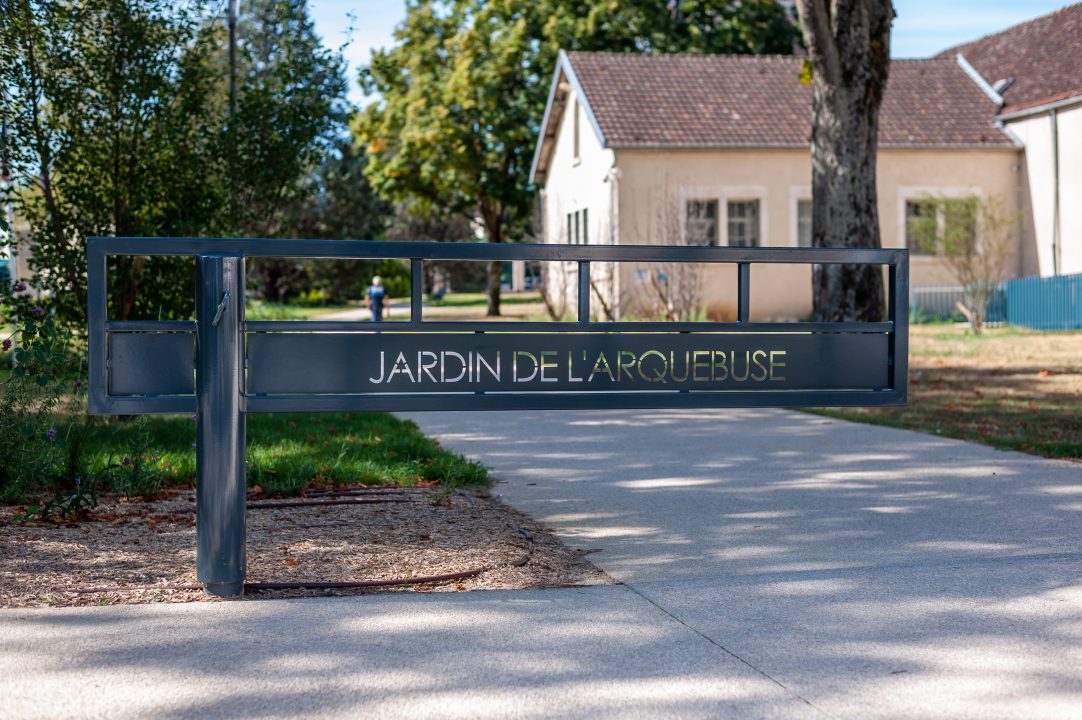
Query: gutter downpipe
614, 234
1055, 191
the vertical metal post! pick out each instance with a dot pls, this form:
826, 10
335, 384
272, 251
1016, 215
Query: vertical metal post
417, 285
220, 475
97, 308
898, 316
584, 291
743, 291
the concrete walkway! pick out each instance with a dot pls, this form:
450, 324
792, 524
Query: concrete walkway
775, 564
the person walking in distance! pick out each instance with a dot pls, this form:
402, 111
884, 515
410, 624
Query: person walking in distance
374, 297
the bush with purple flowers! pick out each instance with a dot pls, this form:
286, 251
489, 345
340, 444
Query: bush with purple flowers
43, 423
36, 373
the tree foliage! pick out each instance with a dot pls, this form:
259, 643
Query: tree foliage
118, 124
291, 110
453, 131
335, 202
974, 238
463, 89
740, 27
104, 101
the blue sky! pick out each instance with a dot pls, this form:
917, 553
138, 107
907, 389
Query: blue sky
922, 28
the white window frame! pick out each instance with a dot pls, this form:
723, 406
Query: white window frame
918, 193
758, 220
724, 194
796, 194
576, 222
717, 223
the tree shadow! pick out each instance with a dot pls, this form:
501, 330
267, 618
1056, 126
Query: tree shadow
855, 562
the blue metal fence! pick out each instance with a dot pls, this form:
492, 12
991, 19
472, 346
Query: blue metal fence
1038, 303
1045, 303
938, 303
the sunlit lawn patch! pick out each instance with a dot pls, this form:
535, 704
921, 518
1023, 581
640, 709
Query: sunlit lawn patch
1008, 388
263, 310
478, 299
287, 452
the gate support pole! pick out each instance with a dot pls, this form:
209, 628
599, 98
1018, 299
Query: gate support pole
220, 475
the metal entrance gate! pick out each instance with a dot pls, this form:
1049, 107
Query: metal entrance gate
221, 366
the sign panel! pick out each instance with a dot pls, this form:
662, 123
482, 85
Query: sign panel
151, 363
316, 363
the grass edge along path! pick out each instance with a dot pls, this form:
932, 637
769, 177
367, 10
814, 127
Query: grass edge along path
1009, 388
286, 453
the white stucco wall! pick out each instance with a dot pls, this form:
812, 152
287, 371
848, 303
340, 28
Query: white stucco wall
574, 184
1036, 133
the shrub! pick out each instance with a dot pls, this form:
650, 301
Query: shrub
32, 449
43, 422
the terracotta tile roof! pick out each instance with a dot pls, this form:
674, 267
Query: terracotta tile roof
1043, 56
758, 101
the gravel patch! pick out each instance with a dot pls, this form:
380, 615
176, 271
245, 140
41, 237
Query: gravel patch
144, 552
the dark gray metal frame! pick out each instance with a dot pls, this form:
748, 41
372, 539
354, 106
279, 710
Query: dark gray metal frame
895, 327
221, 402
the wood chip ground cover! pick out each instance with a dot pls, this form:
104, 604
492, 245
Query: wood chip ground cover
422, 532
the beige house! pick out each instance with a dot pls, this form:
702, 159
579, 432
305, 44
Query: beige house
1033, 71
714, 150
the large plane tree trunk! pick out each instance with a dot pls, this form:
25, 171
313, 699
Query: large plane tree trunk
492, 216
848, 43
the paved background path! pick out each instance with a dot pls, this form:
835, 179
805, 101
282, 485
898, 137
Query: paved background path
776, 564
872, 572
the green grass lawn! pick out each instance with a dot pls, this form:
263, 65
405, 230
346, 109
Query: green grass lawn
286, 453
263, 310
479, 299
1009, 388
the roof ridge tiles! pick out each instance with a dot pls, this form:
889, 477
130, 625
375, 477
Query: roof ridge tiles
1042, 55
758, 101
1017, 26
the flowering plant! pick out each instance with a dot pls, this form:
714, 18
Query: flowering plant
37, 371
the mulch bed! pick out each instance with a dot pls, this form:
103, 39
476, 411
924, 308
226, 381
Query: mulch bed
144, 552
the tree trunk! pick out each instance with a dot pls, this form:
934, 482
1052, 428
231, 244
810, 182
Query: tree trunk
495, 269
848, 44
493, 219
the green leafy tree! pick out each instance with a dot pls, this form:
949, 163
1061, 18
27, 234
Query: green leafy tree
337, 202
291, 113
105, 104
463, 90
283, 146
453, 130
680, 26
118, 124
974, 237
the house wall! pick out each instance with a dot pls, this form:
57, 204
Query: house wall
1036, 132
654, 186
572, 185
